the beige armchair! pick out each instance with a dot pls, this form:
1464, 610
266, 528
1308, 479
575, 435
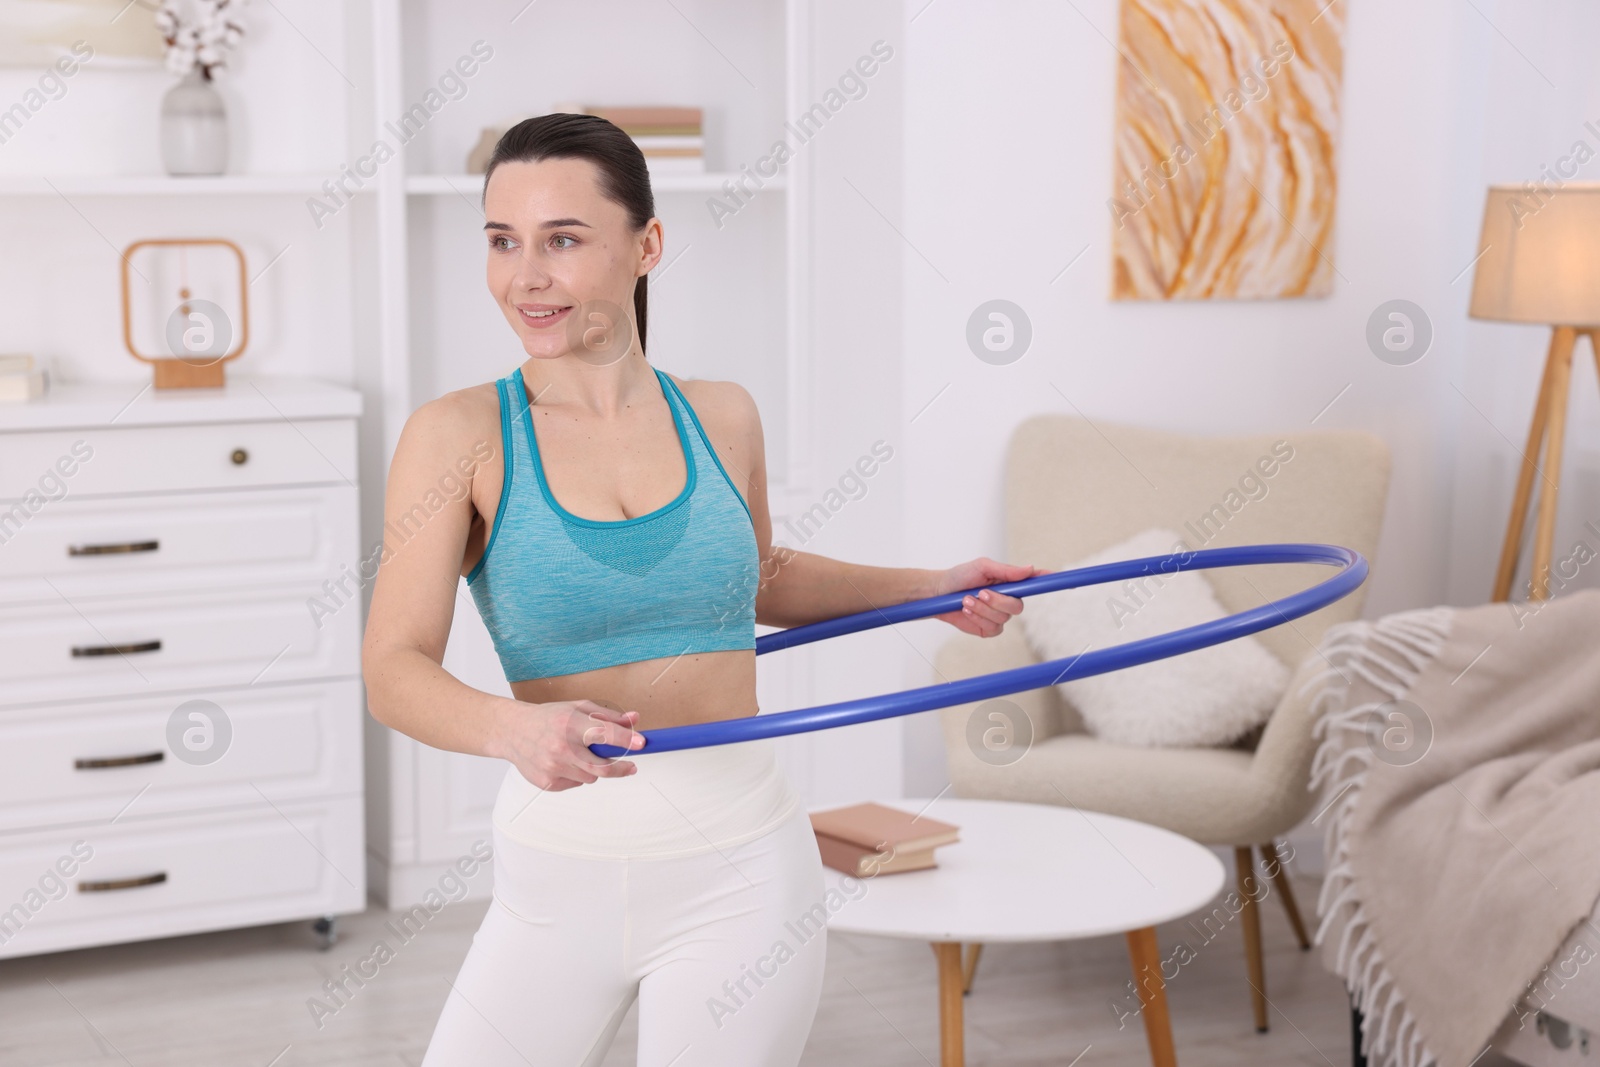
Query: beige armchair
1073, 487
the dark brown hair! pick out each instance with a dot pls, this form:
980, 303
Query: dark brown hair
624, 177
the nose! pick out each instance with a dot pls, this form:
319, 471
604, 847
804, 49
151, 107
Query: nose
527, 273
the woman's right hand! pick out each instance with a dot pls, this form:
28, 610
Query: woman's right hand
549, 743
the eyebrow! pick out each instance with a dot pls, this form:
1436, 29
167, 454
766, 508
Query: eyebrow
550, 224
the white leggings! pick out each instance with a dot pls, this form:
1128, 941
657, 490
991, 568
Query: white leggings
693, 885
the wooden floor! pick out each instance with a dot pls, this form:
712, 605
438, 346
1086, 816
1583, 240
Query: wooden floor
241, 998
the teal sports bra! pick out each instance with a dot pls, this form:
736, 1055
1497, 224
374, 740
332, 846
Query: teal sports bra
561, 594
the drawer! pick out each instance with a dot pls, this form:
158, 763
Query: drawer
39, 468
105, 546
92, 762
136, 879
135, 646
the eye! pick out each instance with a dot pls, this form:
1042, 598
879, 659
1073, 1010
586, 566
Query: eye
565, 237
494, 242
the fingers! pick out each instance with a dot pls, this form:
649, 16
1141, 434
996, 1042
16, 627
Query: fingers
973, 623
603, 728
1009, 605
588, 767
987, 606
616, 729
982, 627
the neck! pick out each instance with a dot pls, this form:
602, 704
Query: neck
601, 390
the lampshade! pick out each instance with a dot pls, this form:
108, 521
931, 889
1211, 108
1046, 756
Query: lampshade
1540, 255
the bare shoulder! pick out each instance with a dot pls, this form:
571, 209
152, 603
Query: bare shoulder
725, 408
455, 428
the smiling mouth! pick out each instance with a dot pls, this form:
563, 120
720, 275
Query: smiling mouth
542, 318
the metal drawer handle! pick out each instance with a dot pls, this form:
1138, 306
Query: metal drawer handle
110, 550
116, 650
239, 457
117, 761
122, 883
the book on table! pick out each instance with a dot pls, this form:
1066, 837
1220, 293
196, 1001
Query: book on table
869, 839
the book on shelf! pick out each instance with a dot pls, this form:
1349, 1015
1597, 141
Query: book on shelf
671, 138
670, 145
870, 839
665, 167
673, 155
682, 121
671, 165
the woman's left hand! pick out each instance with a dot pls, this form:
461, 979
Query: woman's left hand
986, 612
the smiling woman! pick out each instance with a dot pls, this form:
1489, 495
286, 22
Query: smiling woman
618, 554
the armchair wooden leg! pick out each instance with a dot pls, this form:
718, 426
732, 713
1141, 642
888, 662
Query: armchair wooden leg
971, 966
1273, 861
1145, 956
1250, 921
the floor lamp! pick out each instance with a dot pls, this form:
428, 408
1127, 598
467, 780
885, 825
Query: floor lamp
1539, 261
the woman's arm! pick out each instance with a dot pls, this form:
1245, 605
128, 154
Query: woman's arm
809, 588
797, 587
803, 587
428, 513
413, 598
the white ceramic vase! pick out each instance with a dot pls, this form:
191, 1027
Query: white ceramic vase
194, 127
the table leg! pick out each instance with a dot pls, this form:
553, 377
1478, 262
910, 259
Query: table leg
952, 1044
974, 950
1145, 956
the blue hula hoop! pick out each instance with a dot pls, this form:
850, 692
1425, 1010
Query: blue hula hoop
1352, 572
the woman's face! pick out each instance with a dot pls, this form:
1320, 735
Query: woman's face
563, 260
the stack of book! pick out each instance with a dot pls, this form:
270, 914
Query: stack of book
671, 138
869, 839
20, 379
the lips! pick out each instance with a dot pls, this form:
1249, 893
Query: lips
540, 316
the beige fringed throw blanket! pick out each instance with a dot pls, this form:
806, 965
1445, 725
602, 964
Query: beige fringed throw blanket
1457, 865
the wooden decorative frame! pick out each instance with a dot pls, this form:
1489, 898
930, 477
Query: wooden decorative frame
176, 373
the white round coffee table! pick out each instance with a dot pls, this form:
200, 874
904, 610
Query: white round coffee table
1034, 872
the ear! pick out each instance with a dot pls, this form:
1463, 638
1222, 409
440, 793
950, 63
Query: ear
651, 246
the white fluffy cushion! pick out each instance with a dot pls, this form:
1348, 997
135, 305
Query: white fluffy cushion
1210, 696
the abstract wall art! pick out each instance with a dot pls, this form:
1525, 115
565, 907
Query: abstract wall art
1224, 177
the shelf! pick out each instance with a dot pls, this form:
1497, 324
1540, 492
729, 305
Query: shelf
135, 402
710, 181
162, 184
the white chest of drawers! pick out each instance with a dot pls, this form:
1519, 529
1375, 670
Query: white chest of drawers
180, 679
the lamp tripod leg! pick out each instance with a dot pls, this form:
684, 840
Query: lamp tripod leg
1544, 536
1562, 339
